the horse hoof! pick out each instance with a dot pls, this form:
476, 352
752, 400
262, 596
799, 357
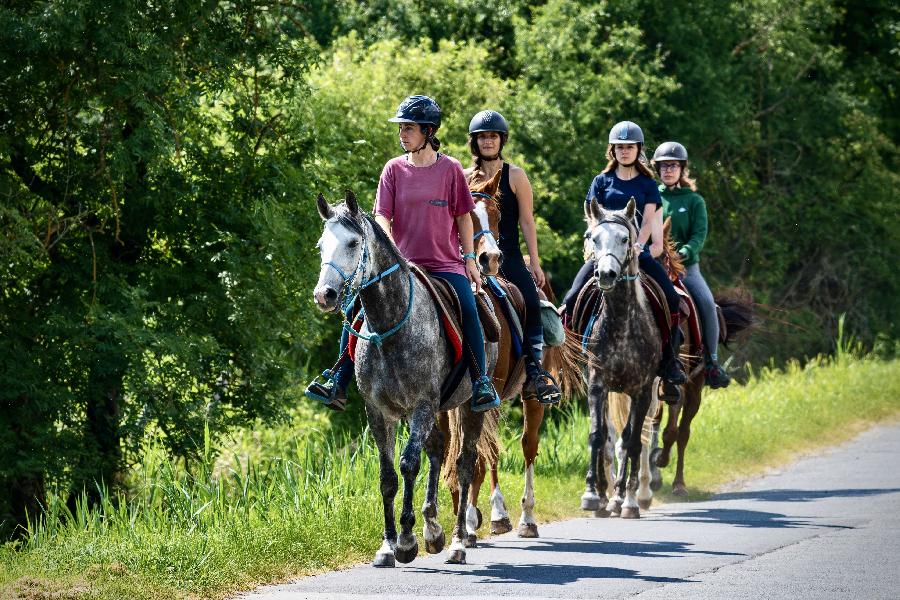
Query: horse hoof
655, 480
679, 489
504, 525
457, 557
471, 541
479, 521
602, 513
590, 502
383, 560
406, 556
528, 530
436, 545
662, 460
630, 512
645, 504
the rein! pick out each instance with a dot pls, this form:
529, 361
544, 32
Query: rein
350, 295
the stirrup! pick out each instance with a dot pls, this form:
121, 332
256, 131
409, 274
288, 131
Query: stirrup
329, 395
484, 405
548, 393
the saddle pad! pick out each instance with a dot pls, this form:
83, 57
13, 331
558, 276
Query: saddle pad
448, 308
511, 302
659, 306
489, 322
695, 347
587, 306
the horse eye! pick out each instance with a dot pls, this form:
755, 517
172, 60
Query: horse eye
353, 243
624, 240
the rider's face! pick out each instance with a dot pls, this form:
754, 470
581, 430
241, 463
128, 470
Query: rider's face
489, 143
411, 136
669, 172
626, 153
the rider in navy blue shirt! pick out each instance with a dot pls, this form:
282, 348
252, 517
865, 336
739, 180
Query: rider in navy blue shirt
626, 177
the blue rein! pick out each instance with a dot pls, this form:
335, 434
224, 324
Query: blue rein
350, 298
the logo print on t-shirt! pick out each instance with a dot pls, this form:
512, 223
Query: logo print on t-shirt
438, 202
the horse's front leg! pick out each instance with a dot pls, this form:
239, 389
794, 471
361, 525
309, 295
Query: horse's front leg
669, 436
473, 514
633, 446
465, 467
596, 480
692, 395
384, 434
432, 532
500, 522
420, 427
534, 416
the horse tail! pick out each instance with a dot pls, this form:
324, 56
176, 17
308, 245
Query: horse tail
566, 363
737, 310
619, 407
488, 445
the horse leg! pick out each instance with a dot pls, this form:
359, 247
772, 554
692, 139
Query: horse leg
432, 532
655, 450
644, 493
534, 415
465, 467
670, 434
619, 458
420, 426
473, 514
443, 423
633, 446
691, 407
596, 478
385, 435
500, 522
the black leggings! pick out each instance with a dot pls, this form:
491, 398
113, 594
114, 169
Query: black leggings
515, 271
648, 265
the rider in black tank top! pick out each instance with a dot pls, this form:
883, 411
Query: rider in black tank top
489, 128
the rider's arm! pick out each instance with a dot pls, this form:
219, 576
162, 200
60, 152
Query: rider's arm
522, 189
651, 227
466, 231
386, 225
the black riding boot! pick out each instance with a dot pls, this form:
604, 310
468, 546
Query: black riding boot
538, 381
670, 367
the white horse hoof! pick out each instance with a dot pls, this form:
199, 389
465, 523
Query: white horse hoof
435, 546
528, 530
590, 501
384, 560
457, 557
645, 504
471, 540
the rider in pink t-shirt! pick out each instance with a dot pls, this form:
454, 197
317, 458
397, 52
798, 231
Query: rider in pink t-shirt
423, 204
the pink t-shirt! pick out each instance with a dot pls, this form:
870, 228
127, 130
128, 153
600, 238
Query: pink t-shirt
423, 203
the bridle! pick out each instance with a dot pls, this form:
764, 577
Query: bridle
350, 293
485, 232
629, 254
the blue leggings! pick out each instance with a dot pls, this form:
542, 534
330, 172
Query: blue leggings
648, 265
473, 339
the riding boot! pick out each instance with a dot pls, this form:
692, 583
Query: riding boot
716, 377
538, 381
484, 396
670, 367
330, 391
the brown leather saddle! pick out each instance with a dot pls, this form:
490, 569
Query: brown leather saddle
508, 300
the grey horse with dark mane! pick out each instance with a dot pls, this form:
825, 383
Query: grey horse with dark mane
401, 362
624, 350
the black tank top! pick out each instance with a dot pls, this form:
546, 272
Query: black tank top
509, 216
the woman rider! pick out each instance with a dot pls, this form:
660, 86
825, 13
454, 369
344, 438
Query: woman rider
687, 209
423, 204
626, 177
488, 133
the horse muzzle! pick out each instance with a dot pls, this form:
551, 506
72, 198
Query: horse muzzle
606, 279
326, 298
490, 263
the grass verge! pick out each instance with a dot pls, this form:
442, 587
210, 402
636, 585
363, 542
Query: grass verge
290, 501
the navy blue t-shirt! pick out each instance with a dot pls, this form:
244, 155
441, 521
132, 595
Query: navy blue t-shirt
613, 193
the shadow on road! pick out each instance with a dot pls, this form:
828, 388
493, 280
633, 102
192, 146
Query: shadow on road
748, 518
545, 574
802, 495
634, 549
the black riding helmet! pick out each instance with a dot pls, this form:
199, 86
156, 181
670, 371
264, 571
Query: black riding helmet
626, 132
485, 121
670, 151
424, 111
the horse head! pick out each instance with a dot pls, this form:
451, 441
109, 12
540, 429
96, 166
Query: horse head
611, 237
486, 225
342, 251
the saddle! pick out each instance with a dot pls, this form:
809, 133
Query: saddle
509, 300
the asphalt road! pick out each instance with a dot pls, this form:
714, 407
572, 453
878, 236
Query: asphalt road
828, 526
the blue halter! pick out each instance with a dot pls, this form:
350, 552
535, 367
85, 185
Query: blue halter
350, 294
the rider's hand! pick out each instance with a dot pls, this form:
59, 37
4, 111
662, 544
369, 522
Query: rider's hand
473, 273
538, 274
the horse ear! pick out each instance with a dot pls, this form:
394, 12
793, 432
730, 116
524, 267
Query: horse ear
350, 199
594, 211
629, 210
325, 210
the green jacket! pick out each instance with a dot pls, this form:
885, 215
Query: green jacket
689, 224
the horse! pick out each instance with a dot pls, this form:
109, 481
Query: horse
509, 377
401, 362
737, 314
624, 350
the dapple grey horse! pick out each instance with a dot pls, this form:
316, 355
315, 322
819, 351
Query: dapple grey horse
401, 360
624, 350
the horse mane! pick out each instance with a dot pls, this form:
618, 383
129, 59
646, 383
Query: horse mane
670, 259
344, 217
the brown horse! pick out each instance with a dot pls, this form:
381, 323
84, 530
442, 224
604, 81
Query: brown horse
509, 376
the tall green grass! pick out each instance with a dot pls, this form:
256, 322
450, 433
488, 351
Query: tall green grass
295, 499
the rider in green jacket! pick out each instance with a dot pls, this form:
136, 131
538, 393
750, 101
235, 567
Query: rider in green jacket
689, 228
